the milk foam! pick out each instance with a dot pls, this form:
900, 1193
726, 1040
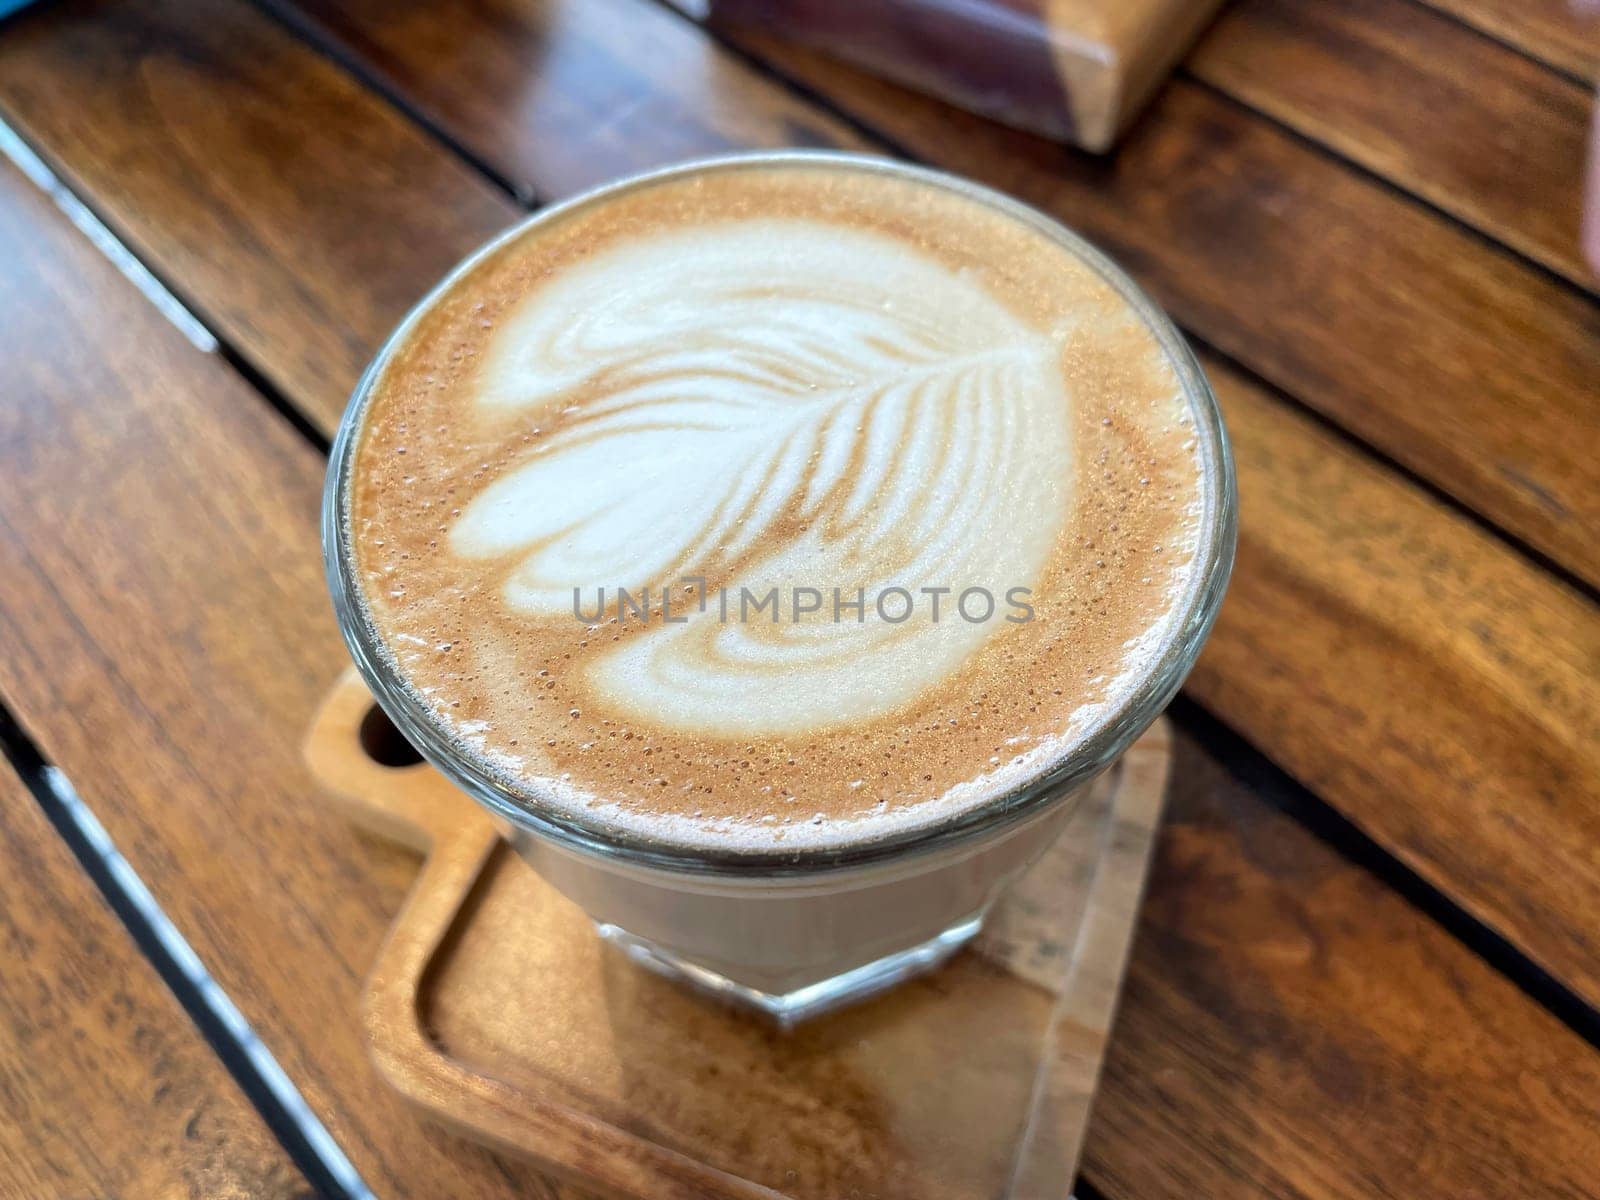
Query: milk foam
774, 377
773, 404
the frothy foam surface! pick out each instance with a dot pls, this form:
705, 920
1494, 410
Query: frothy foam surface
792, 412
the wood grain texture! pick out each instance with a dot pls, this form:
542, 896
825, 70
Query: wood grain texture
1562, 33
1450, 355
110, 628
1490, 794
165, 634
1428, 104
1439, 690
1399, 1065
171, 117
106, 1089
564, 97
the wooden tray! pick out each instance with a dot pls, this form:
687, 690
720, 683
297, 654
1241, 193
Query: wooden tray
495, 1008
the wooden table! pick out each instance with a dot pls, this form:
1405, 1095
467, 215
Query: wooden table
1369, 963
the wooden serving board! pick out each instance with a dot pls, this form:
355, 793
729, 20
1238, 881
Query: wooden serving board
495, 1008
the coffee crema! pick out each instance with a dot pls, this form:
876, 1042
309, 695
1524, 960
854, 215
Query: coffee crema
776, 504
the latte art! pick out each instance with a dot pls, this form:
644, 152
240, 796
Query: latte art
761, 405
754, 394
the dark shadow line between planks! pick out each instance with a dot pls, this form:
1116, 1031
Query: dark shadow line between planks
1265, 779
326, 44
111, 240
1522, 52
306, 1141
1511, 541
1399, 191
286, 408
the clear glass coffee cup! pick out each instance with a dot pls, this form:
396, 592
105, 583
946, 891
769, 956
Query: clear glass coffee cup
796, 931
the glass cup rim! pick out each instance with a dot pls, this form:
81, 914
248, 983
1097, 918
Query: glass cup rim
1102, 746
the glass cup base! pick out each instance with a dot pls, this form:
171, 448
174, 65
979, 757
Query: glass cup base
788, 1009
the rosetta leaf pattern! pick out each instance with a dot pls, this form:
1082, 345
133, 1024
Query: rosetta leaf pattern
772, 404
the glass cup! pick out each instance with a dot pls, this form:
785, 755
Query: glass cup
794, 932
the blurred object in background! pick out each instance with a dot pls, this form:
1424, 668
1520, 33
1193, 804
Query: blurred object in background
1076, 70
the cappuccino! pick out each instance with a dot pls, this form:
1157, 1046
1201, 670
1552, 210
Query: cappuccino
775, 505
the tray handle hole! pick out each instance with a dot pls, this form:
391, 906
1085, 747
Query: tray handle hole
383, 743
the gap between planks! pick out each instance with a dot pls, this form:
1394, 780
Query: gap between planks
1507, 44
1398, 190
219, 1021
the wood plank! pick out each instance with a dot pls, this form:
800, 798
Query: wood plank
1267, 966
1442, 692
262, 227
89, 598
106, 1089
165, 633
1329, 566
1421, 100
611, 88
125, 603
1563, 33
